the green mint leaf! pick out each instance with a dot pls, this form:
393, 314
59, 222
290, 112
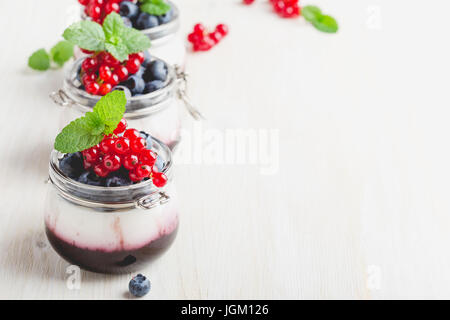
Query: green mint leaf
326, 24
135, 41
95, 123
119, 51
62, 52
39, 60
77, 136
110, 110
311, 13
113, 27
87, 35
155, 7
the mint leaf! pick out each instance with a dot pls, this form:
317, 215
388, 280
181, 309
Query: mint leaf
113, 27
62, 52
87, 35
135, 41
77, 136
155, 7
311, 13
119, 51
110, 110
39, 60
89, 130
326, 24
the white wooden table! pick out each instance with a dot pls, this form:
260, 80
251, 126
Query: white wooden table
359, 207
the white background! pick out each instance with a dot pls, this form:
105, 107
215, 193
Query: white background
360, 205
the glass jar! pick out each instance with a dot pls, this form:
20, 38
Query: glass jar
110, 230
165, 42
157, 113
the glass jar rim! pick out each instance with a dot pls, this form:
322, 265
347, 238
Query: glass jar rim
125, 196
162, 33
137, 106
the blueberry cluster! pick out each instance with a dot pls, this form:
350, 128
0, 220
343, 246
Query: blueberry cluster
72, 166
134, 17
151, 76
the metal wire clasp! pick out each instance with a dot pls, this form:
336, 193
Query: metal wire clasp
61, 98
182, 83
152, 200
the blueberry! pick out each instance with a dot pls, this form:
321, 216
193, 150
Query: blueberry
72, 165
127, 22
159, 163
166, 17
90, 179
156, 70
148, 138
135, 84
140, 72
147, 59
146, 21
128, 9
153, 86
139, 286
116, 181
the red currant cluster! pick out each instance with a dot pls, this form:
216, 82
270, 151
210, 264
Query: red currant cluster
99, 9
284, 8
101, 71
202, 40
124, 148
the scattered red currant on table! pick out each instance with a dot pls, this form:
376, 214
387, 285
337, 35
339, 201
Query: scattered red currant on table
202, 40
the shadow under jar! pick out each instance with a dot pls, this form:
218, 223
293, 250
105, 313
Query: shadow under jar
166, 43
110, 230
157, 113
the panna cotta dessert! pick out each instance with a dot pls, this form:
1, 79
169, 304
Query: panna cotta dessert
159, 20
154, 88
111, 207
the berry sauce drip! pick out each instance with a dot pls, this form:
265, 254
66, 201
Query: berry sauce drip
130, 11
123, 158
202, 40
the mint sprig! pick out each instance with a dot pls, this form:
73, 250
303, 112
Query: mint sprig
113, 37
60, 53
89, 130
321, 22
155, 7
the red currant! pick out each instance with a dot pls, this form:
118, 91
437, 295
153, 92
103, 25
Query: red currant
91, 155
122, 145
100, 170
112, 162
222, 28
86, 51
122, 72
107, 145
121, 127
130, 161
87, 165
148, 157
104, 72
84, 2
109, 59
112, 7
114, 80
92, 88
199, 29
105, 88
140, 56
216, 36
95, 12
143, 171
138, 144
89, 65
194, 37
134, 177
133, 65
159, 179
131, 134
248, 1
